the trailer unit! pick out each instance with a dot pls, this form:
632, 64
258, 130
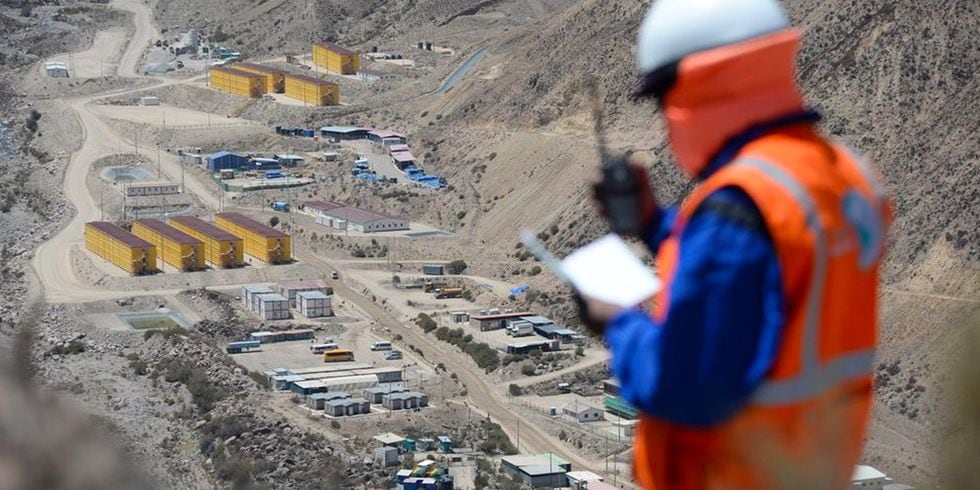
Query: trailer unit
174, 247
274, 77
262, 241
237, 82
221, 248
124, 249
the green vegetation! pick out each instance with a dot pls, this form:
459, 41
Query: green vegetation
456, 267
515, 390
273, 221
485, 356
72, 348
496, 441
260, 379
426, 323
153, 323
529, 370
137, 365
204, 394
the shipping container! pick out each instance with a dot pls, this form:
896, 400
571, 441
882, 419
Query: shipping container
221, 248
127, 251
433, 269
237, 82
312, 90
262, 241
289, 288
249, 291
274, 77
273, 307
336, 58
314, 304
174, 247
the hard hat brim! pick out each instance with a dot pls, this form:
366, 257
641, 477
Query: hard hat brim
656, 83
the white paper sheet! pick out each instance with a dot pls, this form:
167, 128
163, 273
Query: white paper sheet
609, 271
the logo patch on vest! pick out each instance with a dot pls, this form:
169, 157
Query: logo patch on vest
866, 222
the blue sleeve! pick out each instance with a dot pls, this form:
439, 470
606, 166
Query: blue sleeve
722, 328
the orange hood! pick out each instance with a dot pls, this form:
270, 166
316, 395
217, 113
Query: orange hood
721, 92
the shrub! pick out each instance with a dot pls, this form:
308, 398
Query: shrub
334, 424
515, 390
456, 267
426, 322
461, 215
273, 221
72, 348
260, 379
535, 270
528, 370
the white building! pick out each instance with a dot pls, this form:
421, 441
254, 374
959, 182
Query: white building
313, 304
149, 100
290, 288
151, 189
340, 217
369, 75
272, 306
56, 69
582, 413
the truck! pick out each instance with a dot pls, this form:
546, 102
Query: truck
280, 206
520, 329
449, 293
433, 269
431, 287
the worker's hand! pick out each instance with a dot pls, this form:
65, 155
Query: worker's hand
595, 314
646, 201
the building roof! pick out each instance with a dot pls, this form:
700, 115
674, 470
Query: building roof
309, 79
403, 156
119, 234
565, 331
303, 284
330, 395
286, 156
224, 153
537, 320
346, 402
388, 438
382, 389
335, 366
578, 408
266, 297
252, 225
385, 133
499, 316
397, 148
232, 71
583, 476
168, 231
257, 288
312, 295
258, 67
264, 160
542, 470
357, 215
529, 344
329, 46
342, 129
321, 205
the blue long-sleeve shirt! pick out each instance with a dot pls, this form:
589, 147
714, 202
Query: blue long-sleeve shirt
725, 311
723, 322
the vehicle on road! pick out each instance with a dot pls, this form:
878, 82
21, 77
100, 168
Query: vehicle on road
449, 293
334, 275
381, 345
338, 355
393, 355
321, 348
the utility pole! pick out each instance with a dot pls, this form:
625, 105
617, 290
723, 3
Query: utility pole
159, 167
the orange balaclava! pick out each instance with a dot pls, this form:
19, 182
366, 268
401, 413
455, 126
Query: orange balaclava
721, 92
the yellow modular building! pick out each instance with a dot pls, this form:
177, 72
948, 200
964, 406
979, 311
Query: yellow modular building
175, 247
221, 248
237, 82
274, 78
335, 58
312, 90
261, 241
124, 249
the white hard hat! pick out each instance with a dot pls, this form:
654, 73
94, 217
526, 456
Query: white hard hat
673, 29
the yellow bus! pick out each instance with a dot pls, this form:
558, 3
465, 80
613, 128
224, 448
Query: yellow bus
338, 355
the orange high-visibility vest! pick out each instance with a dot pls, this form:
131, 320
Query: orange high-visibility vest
803, 427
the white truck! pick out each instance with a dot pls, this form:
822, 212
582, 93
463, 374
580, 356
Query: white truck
520, 329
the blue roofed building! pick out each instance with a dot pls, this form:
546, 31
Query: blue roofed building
226, 160
343, 132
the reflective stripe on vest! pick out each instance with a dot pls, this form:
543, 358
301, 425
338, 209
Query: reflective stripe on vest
814, 378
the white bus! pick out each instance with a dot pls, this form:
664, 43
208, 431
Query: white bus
381, 345
321, 348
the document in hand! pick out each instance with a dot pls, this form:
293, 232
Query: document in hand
609, 271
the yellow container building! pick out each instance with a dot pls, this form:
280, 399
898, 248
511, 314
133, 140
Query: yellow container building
174, 247
335, 58
221, 248
312, 90
275, 79
261, 241
124, 249
237, 82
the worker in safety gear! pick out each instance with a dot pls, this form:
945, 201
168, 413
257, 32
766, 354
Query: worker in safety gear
754, 369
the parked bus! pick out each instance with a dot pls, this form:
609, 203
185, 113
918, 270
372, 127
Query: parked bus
381, 345
338, 355
321, 348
